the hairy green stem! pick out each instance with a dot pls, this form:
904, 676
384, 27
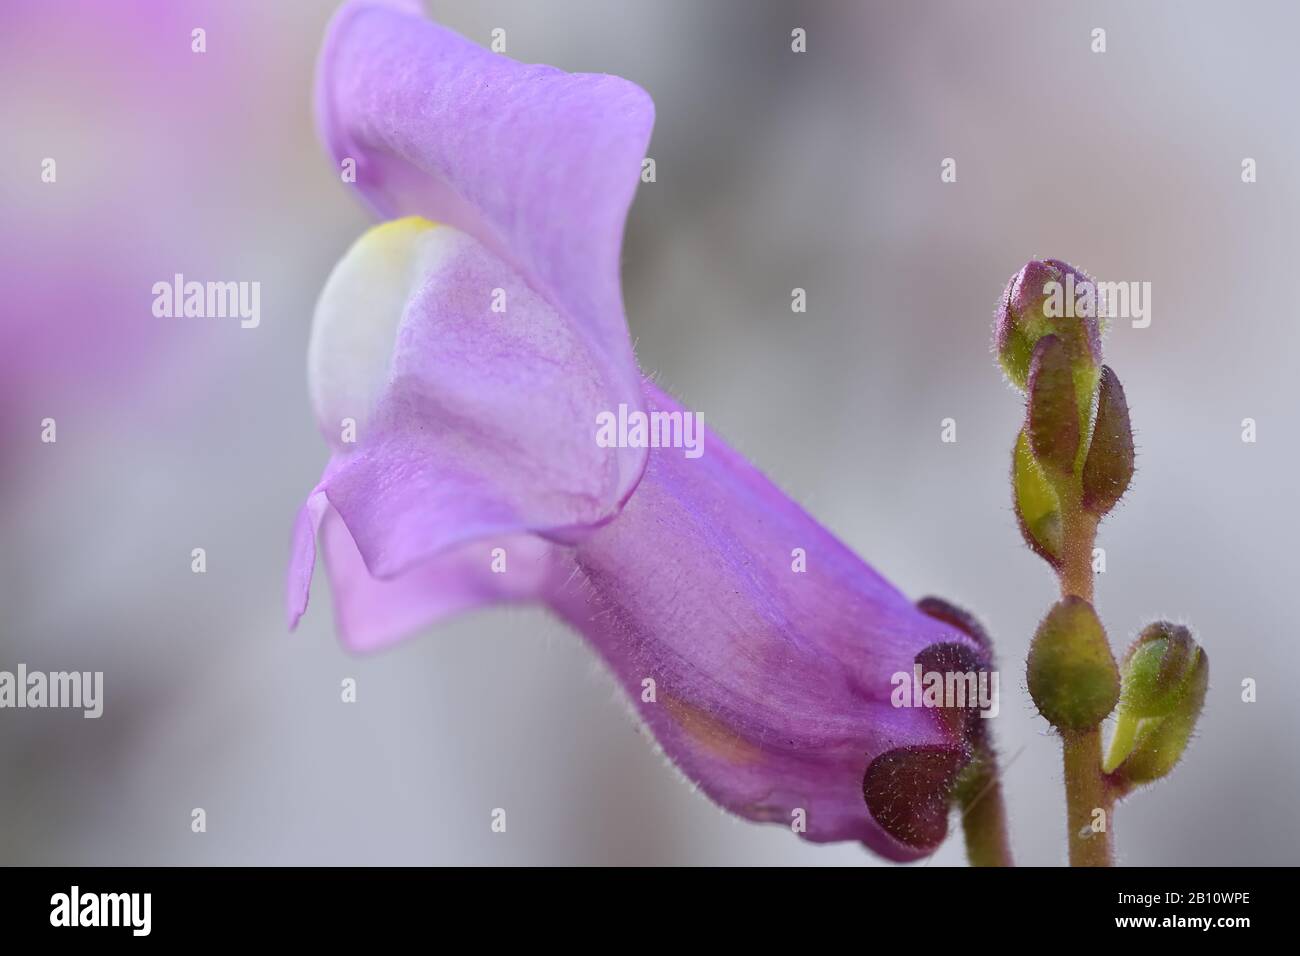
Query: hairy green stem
1086, 790
984, 816
1080, 534
1086, 793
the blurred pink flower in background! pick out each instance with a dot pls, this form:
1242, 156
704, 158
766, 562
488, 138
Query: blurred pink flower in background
107, 110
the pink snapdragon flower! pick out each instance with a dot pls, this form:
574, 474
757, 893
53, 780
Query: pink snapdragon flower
462, 355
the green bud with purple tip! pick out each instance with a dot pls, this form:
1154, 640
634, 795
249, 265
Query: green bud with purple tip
1048, 297
1047, 336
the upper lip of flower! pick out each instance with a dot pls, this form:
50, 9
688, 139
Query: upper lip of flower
539, 165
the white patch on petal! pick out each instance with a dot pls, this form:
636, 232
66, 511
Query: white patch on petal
357, 317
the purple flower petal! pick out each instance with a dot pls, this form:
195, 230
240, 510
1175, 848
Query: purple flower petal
539, 165
478, 423
772, 687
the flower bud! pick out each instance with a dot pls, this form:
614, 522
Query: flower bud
1160, 669
1072, 675
1053, 412
1048, 297
1037, 505
1166, 675
1109, 466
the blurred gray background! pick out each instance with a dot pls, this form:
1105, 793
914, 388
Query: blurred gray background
775, 170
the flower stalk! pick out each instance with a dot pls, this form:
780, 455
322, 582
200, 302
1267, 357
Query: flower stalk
1071, 464
984, 814
1089, 801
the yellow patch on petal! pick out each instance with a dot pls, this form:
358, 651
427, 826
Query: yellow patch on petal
358, 314
713, 736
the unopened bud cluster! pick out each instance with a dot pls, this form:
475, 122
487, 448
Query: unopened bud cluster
1071, 464
1073, 459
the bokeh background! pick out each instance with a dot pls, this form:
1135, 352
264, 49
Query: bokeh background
775, 170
